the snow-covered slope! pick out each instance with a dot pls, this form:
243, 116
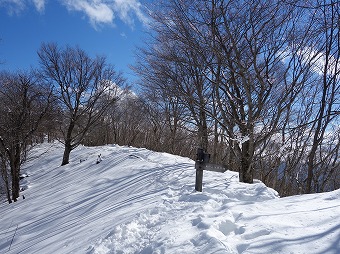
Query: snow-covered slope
139, 201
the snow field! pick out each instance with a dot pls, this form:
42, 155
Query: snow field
139, 201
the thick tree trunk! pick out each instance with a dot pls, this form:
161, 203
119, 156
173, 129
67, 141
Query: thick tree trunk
67, 151
6, 180
68, 144
246, 170
8, 193
15, 185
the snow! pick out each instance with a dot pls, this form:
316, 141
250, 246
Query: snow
140, 201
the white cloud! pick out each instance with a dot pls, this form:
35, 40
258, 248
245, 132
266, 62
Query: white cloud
127, 8
13, 6
39, 5
104, 11
317, 60
17, 6
99, 12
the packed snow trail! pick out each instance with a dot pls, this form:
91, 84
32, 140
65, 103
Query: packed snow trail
139, 201
237, 218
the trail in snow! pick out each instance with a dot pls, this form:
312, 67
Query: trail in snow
188, 222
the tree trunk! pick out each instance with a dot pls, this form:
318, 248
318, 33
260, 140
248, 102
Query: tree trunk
215, 156
67, 151
15, 185
15, 172
246, 170
310, 169
68, 143
203, 129
5, 178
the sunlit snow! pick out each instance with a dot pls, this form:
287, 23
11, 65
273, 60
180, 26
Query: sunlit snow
139, 201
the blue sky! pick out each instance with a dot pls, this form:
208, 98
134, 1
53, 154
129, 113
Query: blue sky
100, 27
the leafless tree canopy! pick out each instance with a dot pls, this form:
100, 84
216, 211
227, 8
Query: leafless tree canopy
85, 88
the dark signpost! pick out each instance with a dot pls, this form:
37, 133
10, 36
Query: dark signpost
202, 163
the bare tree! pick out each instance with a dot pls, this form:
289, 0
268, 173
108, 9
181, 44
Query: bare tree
324, 57
173, 65
225, 59
5, 173
25, 100
122, 124
86, 88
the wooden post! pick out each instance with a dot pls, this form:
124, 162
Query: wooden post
199, 177
201, 159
